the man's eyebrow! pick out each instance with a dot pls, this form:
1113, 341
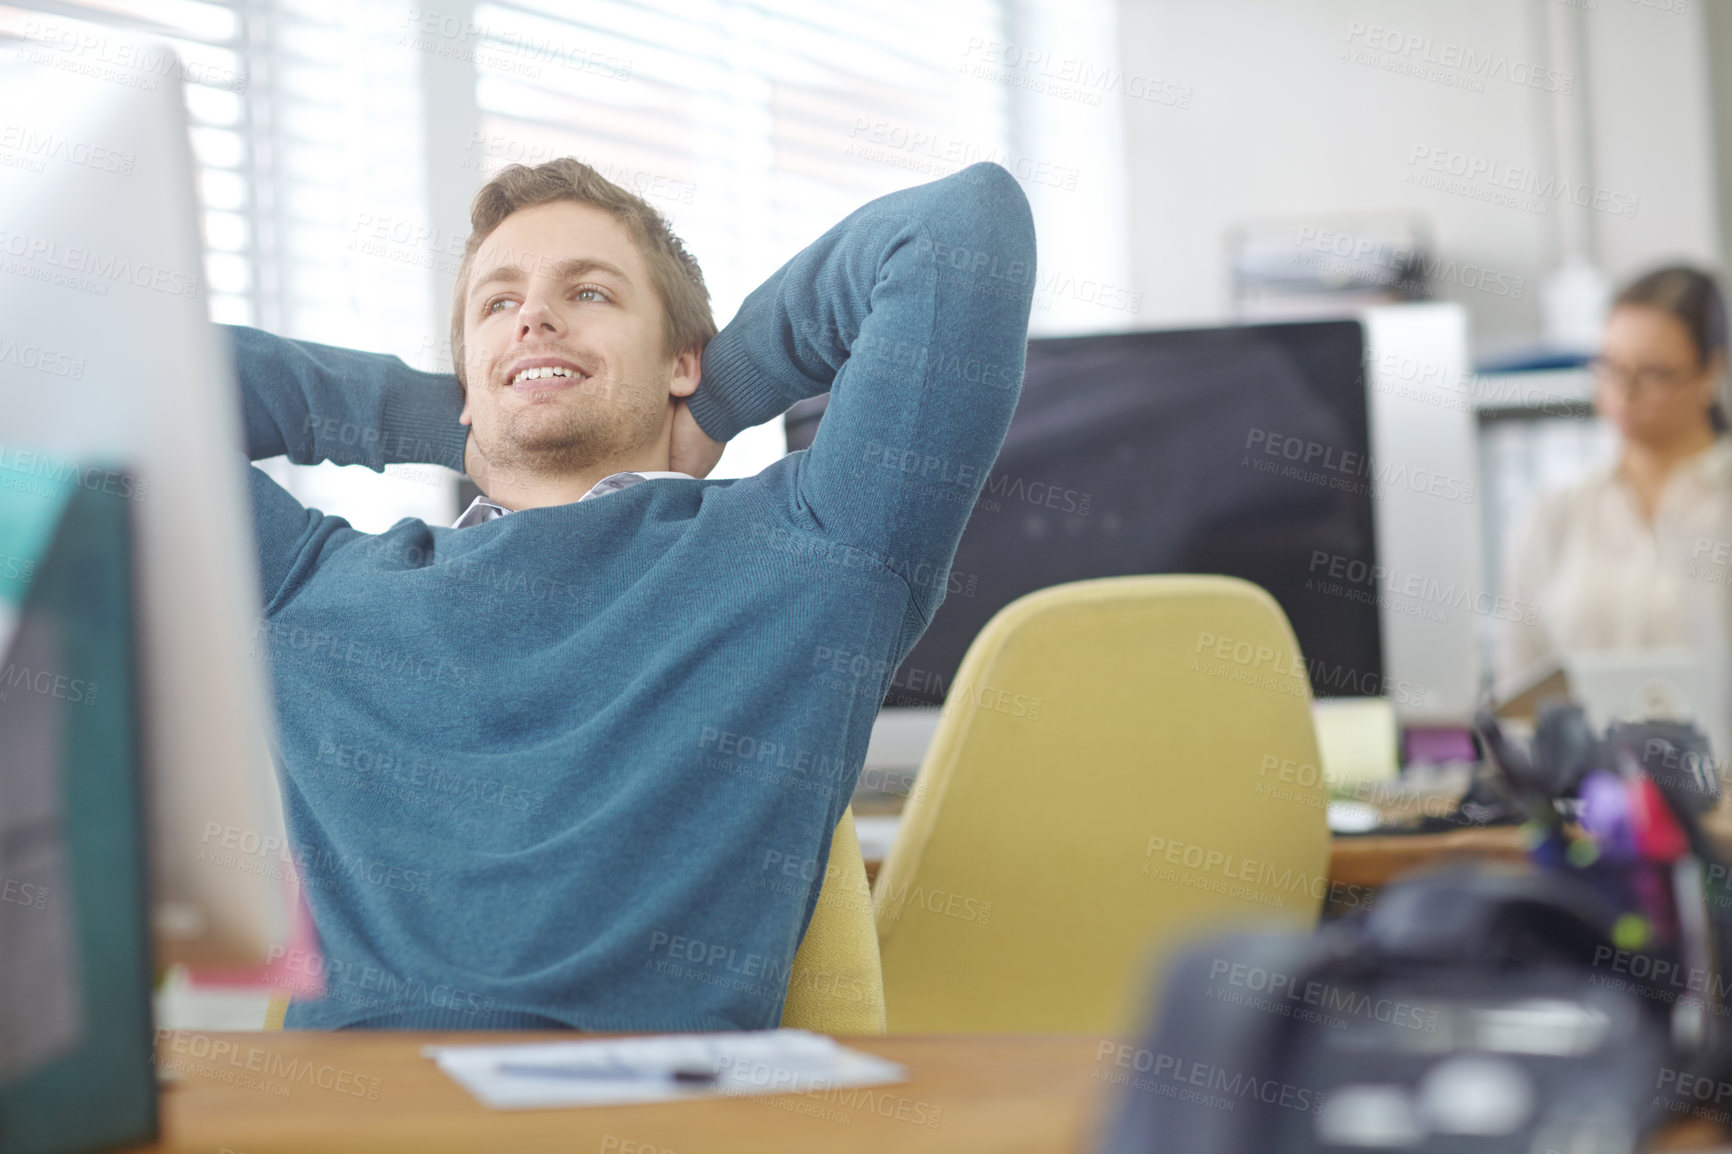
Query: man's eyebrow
512, 271
583, 266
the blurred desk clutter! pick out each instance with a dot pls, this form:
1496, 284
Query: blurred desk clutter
1579, 1003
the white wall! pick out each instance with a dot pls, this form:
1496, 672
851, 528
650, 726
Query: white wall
1286, 121
1074, 125
1650, 98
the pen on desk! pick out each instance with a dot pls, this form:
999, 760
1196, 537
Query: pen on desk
689, 1075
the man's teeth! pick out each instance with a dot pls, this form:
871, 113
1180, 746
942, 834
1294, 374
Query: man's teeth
547, 371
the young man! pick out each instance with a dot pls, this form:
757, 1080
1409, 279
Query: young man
534, 764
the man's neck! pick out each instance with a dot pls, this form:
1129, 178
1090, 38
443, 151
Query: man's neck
519, 488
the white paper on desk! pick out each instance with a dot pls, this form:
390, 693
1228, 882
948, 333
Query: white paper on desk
756, 1062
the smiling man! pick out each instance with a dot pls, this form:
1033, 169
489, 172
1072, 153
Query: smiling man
533, 764
577, 337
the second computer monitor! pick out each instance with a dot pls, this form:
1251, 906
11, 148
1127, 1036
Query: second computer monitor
1242, 451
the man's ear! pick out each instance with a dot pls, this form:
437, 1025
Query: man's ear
687, 371
464, 418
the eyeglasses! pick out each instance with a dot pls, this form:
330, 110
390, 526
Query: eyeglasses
1647, 379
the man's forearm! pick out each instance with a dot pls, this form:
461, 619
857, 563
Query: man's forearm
913, 314
794, 333
317, 403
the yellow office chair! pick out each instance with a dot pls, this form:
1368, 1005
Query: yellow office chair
835, 985
1120, 764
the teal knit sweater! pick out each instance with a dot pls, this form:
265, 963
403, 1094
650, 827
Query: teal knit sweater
548, 770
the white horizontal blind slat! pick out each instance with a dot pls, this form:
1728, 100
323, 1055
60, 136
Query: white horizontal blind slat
208, 38
753, 126
306, 131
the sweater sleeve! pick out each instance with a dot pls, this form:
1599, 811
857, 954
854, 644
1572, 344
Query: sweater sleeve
318, 403
913, 314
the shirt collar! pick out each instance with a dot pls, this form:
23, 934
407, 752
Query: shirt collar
481, 509
1713, 461
1710, 466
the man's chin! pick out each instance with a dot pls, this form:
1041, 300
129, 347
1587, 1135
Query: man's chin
545, 446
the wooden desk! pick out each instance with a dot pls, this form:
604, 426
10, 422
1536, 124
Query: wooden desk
1370, 861
1373, 859
373, 1092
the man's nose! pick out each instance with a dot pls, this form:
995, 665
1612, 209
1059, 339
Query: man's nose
537, 316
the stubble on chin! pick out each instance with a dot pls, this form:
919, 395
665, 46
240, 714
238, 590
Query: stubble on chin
533, 442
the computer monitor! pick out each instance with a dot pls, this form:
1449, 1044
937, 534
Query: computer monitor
1236, 450
107, 358
1420, 388
1333, 463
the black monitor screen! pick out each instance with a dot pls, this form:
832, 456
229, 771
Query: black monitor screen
1241, 451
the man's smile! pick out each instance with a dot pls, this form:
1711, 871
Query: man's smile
544, 374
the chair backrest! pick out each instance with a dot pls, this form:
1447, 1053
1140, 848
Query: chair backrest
1120, 764
835, 985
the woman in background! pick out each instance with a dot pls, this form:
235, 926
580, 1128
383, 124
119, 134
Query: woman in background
1625, 558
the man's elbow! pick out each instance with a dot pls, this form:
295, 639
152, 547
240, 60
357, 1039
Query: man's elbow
984, 202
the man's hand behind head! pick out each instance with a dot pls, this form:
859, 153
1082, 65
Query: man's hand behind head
690, 449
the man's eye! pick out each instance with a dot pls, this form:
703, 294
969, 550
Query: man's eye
594, 293
492, 306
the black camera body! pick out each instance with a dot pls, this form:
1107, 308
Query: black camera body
1573, 1006
1457, 1013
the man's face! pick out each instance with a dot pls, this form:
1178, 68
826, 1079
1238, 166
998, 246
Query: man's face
563, 346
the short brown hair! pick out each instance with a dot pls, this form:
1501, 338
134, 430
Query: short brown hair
679, 283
